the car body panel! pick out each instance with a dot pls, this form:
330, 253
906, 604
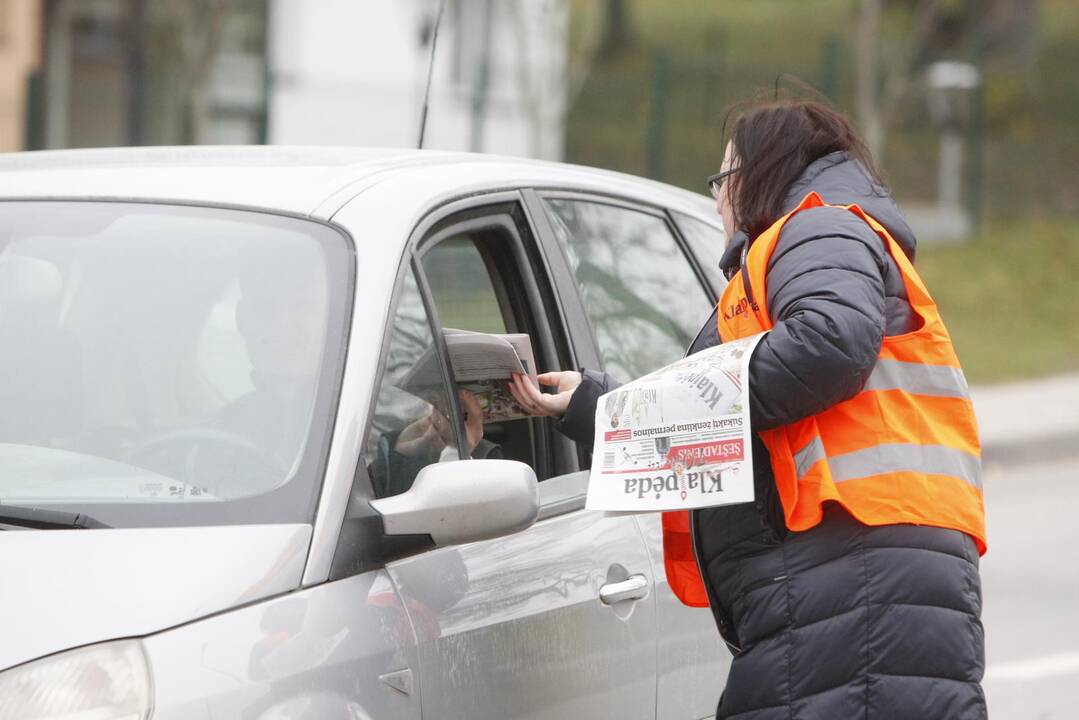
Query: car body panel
66, 588
308, 181
284, 180
691, 659
309, 655
514, 628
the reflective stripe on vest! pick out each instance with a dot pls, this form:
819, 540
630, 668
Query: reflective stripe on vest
902, 450
918, 379
893, 458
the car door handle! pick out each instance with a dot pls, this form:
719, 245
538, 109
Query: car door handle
634, 587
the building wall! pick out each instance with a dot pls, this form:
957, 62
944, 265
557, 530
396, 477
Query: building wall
353, 73
20, 37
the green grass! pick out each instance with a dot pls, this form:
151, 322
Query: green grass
1010, 299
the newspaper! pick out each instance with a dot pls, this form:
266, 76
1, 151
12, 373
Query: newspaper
677, 438
482, 364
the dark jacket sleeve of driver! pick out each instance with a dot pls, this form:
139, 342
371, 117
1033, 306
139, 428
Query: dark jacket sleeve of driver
825, 290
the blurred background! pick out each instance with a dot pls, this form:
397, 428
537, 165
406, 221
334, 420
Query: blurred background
970, 106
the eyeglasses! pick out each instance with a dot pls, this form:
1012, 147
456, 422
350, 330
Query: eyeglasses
715, 182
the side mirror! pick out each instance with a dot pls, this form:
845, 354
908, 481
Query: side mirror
464, 501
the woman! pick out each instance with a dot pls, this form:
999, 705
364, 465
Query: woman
850, 587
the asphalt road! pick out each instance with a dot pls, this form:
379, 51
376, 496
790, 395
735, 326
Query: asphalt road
1030, 582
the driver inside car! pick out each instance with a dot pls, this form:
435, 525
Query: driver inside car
282, 324
430, 439
252, 444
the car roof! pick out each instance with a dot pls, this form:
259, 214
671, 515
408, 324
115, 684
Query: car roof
309, 181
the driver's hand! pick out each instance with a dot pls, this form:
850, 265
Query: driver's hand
423, 436
434, 432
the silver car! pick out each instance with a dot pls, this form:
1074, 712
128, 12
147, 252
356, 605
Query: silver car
226, 494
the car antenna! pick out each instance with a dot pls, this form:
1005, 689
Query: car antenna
430, 72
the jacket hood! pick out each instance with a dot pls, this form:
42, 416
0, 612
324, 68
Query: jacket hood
840, 180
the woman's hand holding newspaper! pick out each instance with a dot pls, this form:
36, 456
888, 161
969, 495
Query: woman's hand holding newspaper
542, 404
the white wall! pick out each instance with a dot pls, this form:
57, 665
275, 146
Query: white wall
352, 72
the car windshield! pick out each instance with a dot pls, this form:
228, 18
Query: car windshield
167, 365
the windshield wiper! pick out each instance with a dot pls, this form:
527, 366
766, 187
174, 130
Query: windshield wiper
47, 519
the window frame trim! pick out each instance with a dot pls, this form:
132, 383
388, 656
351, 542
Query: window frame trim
441, 351
373, 547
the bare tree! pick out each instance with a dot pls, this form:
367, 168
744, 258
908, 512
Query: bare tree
618, 33
887, 66
194, 29
889, 63
540, 34
867, 100
199, 58
1014, 33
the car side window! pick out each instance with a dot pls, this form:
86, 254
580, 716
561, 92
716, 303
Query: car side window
461, 286
644, 299
475, 284
410, 428
707, 242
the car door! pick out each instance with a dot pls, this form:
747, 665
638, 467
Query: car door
645, 296
518, 628
557, 621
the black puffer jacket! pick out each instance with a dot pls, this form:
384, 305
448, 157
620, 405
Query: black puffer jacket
842, 620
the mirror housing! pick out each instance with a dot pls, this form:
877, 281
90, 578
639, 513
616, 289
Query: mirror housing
464, 501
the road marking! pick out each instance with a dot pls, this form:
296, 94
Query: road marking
1035, 668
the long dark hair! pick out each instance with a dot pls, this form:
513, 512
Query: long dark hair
774, 142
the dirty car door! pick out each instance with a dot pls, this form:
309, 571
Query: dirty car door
515, 627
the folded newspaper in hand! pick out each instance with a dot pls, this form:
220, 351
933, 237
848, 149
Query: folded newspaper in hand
677, 438
482, 364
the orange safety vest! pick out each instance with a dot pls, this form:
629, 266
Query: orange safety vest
903, 450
